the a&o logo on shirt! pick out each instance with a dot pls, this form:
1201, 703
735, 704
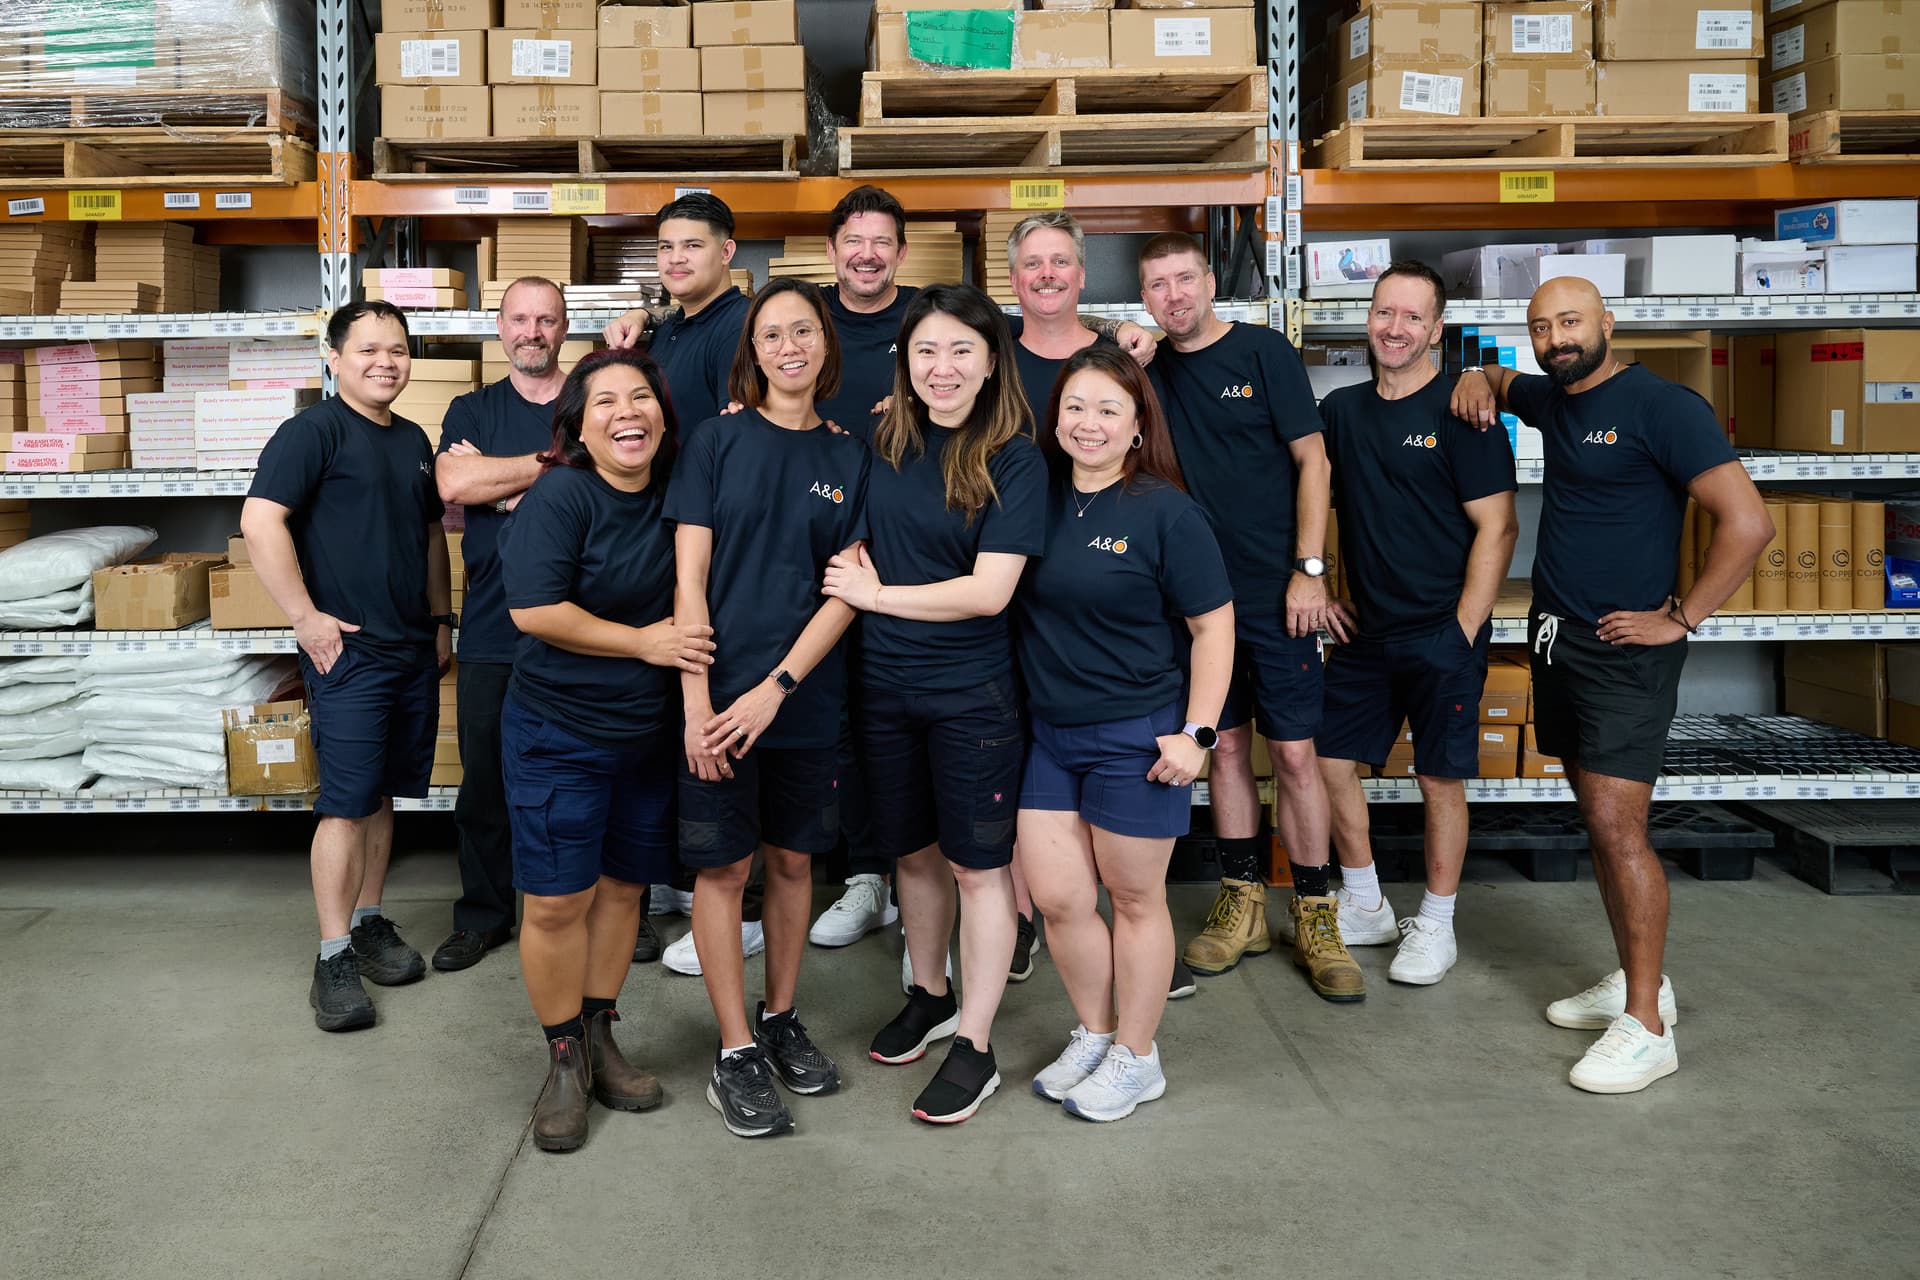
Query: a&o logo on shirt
831, 492
1600, 437
1242, 391
1421, 442
1116, 545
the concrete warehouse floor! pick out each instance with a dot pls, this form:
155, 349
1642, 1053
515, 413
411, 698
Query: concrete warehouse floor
169, 1109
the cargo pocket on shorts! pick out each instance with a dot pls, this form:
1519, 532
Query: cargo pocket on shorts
528, 807
996, 801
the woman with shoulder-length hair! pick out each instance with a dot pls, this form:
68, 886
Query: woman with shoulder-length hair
761, 500
955, 507
590, 720
1120, 731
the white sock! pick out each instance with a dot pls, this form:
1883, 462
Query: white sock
1438, 909
363, 914
745, 1048
1362, 885
1100, 1037
331, 947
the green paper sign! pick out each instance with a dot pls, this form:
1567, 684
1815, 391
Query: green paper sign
977, 38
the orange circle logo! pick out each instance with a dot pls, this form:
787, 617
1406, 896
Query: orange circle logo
1247, 390
1120, 547
1431, 442
838, 496
1610, 437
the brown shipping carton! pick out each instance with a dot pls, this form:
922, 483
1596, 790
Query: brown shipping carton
1677, 30
1751, 378
1820, 380
164, 594
1437, 33
649, 70
1186, 38
270, 750
657, 26
433, 113
545, 111
1535, 765
1858, 667
1675, 88
1155, 4
631, 115
1722, 397
430, 57
439, 15
1525, 86
237, 550
551, 15
1858, 26
1851, 82
746, 22
1903, 723
1062, 39
522, 55
1539, 29
1848, 710
1405, 91
1685, 357
754, 114
238, 600
752, 68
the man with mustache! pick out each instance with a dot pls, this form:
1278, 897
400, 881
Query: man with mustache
1624, 451
489, 454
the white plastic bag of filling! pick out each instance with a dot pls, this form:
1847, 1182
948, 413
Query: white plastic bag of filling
53, 670
61, 561
67, 608
65, 774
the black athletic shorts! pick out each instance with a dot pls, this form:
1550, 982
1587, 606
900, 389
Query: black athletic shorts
787, 797
943, 767
1602, 707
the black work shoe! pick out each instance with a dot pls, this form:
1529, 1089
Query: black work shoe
796, 1060
464, 947
560, 1117
1024, 939
965, 1080
741, 1090
925, 1019
1183, 984
339, 1002
384, 957
646, 943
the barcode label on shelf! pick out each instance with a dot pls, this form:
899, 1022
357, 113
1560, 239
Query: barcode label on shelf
180, 200
1552, 33
1723, 29
21, 208
470, 195
1436, 95
1788, 48
1036, 193
1790, 93
233, 199
93, 206
533, 202
1532, 186
1359, 38
1717, 92
543, 58
429, 58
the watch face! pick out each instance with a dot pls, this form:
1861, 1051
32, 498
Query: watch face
1314, 567
1205, 736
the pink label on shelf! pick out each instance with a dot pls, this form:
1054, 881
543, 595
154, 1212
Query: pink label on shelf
76, 353
39, 442
39, 461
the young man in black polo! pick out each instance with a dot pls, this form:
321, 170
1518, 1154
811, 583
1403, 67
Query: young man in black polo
1248, 438
489, 454
1624, 451
343, 525
1427, 535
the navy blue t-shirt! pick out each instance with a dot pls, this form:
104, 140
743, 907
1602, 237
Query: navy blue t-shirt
1401, 471
917, 539
696, 355
501, 423
1618, 462
867, 341
779, 504
1233, 408
1095, 619
575, 538
362, 496
1039, 373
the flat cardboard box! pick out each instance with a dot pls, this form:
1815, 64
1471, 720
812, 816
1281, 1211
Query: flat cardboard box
551, 15
439, 15
54, 442
1433, 33
162, 594
524, 55
1654, 88
1750, 378
545, 111
1189, 38
1539, 29
1820, 380
1064, 39
80, 424
1406, 91
430, 57
746, 22
1689, 30
446, 775
1850, 82
1895, 221
1903, 672
642, 26
414, 296
754, 114
1535, 765
90, 352
1830, 706
435, 113
270, 750
1684, 356
238, 600
55, 375
1859, 26
414, 278
63, 463
752, 68
1857, 667
1903, 723
648, 70
1661, 266
677, 115
1533, 86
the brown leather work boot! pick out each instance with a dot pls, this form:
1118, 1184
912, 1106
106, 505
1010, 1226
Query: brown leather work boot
1236, 927
617, 1083
560, 1117
1317, 948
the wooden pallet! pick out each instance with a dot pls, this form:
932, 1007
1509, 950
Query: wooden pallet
892, 98
1059, 144
134, 108
130, 157
568, 159
1855, 137
1568, 142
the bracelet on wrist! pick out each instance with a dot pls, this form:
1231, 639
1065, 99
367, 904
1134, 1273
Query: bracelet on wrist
1679, 615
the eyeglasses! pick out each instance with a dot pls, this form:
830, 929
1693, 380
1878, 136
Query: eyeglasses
803, 336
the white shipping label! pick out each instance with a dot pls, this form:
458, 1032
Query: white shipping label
1837, 428
429, 58
543, 57
1357, 102
1723, 29
1183, 37
1790, 94
1436, 95
1717, 93
1551, 33
273, 751
1788, 48
1360, 38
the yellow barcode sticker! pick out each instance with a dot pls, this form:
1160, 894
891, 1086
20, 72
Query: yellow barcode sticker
579, 197
93, 206
1529, 186
1036, 193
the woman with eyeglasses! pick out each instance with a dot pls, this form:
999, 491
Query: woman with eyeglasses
761, 500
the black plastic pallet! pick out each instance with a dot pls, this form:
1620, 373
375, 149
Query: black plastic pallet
1872, 846
1546, 842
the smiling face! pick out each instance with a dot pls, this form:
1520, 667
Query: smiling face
372, 365
1178, 292
1403, 323
788, 344
1570, 327
532, 324
693, 259
948, 363
622, 426
866, 252
1098, 419
1047, 275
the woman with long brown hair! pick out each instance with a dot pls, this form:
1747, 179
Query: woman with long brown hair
1122, 718
955, 507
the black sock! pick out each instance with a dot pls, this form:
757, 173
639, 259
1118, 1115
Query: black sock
1311, 882
571, 1027
1241, 858
594, 1004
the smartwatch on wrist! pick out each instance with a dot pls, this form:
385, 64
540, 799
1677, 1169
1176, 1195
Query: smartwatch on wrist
787, 684
445, 620
1204, 734
1312, 566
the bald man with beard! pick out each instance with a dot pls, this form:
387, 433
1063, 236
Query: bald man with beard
1624, 451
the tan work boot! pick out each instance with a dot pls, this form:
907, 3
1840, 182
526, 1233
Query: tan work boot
1236, 927
617, 1083
1317, 949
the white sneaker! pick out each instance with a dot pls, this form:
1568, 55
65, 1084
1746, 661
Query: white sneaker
1597, 1006
1119, 1084
1626, 1059
858, 912
1076, 1062
682, 958
906, 965
665, 900
1357, 928
1427, 951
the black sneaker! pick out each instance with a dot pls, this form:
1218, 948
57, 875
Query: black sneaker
464, 947
1023, 942
925, 1019
965, 1080
741, 1090
384, 957
1182, 985
796, 1060
646, 943
339, 1002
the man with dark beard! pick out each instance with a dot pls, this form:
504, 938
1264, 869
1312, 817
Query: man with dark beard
1624, 450
489, 448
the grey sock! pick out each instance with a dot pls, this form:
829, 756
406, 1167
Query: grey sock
363, 914
331, 947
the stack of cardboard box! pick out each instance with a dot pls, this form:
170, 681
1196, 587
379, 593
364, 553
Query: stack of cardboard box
13, 394
162, 594
430, 60
15, 522
552, 247
230, 428
36, 257
543, 65
447, 771
1539, 58
753, 76
1838, 246
1841, 55
431, 387
1677, 57
416, 287
1862, 685
1406, 59
77, 401
162, 423
649, 72
163, 255
951, 37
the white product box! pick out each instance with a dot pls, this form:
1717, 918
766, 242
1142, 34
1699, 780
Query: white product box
1528, 443
245, 408
1850, 222
161, 404
217, 437
192, 348
168, 459
274, 358
1778, 269
1345, 268
1475, 273
1871, 268
1666, 266
1607, 272
228, 460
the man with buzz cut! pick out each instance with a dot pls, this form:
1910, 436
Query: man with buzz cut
1412, 648
1249, 442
